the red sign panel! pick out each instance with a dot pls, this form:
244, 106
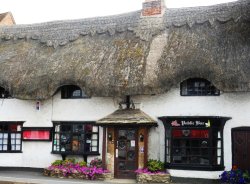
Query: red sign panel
191, 133
36, 135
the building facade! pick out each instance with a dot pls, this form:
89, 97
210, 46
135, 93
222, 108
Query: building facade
166, 84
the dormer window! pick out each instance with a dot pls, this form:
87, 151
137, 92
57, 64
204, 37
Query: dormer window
71, 91
198, 87
4, 93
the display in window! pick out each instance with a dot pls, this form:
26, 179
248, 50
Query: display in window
194, 142
10, 136
75, 138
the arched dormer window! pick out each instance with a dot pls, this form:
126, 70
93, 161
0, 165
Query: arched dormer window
4, 93
198, 87
72, 91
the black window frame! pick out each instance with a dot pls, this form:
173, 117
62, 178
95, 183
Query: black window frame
67, 92
198, 87
216, 125
71, 133
7, 126
4, 93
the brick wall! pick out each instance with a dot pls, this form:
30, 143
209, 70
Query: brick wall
152, 7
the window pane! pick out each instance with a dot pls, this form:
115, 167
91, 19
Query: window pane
18, 147
76, 93
95, 129
94, 136
66, 128
94, 143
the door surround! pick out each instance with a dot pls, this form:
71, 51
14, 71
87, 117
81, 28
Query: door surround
244, 134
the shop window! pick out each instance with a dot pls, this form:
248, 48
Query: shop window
4, 93
71, 91
194, 143
10, 137
198, 87
75, 138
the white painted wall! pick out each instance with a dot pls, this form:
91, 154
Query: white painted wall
233, 105
38, 154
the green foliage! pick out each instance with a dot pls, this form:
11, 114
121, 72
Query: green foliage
82, 163
57, 163
69, 161
246, 175
155, 165
64, 162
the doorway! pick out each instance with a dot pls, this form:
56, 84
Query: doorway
241, 147
126, 152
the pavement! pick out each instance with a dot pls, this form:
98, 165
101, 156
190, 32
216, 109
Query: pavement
29, 177
36, 177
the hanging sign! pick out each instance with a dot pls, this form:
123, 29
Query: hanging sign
190, 123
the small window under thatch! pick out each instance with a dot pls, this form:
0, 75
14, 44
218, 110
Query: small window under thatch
4, 93
198, 87
72, 91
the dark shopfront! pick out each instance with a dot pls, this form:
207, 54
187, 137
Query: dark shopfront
194, 143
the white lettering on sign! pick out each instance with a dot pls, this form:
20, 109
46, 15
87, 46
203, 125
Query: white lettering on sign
198, 123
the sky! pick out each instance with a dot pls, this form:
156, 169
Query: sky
36, 11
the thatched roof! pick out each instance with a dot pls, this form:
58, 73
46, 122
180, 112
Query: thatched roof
129, 55
127, 117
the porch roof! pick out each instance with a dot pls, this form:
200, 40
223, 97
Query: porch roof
127, 117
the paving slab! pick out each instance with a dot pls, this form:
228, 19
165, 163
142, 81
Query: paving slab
28, 177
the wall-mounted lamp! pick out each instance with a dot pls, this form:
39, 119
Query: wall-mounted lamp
141, 137
110, 137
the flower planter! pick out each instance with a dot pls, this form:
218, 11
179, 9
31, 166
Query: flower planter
58, 174
153, 178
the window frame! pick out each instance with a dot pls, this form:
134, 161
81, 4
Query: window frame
68, 90
189, 84
217, 123
9, 139
71, 133
4, 94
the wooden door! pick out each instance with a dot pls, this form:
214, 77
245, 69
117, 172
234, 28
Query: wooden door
241, 148
126, 152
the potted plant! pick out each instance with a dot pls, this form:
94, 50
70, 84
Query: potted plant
153, 173
71, 169
235, 176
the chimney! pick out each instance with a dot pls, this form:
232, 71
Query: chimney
153, 8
